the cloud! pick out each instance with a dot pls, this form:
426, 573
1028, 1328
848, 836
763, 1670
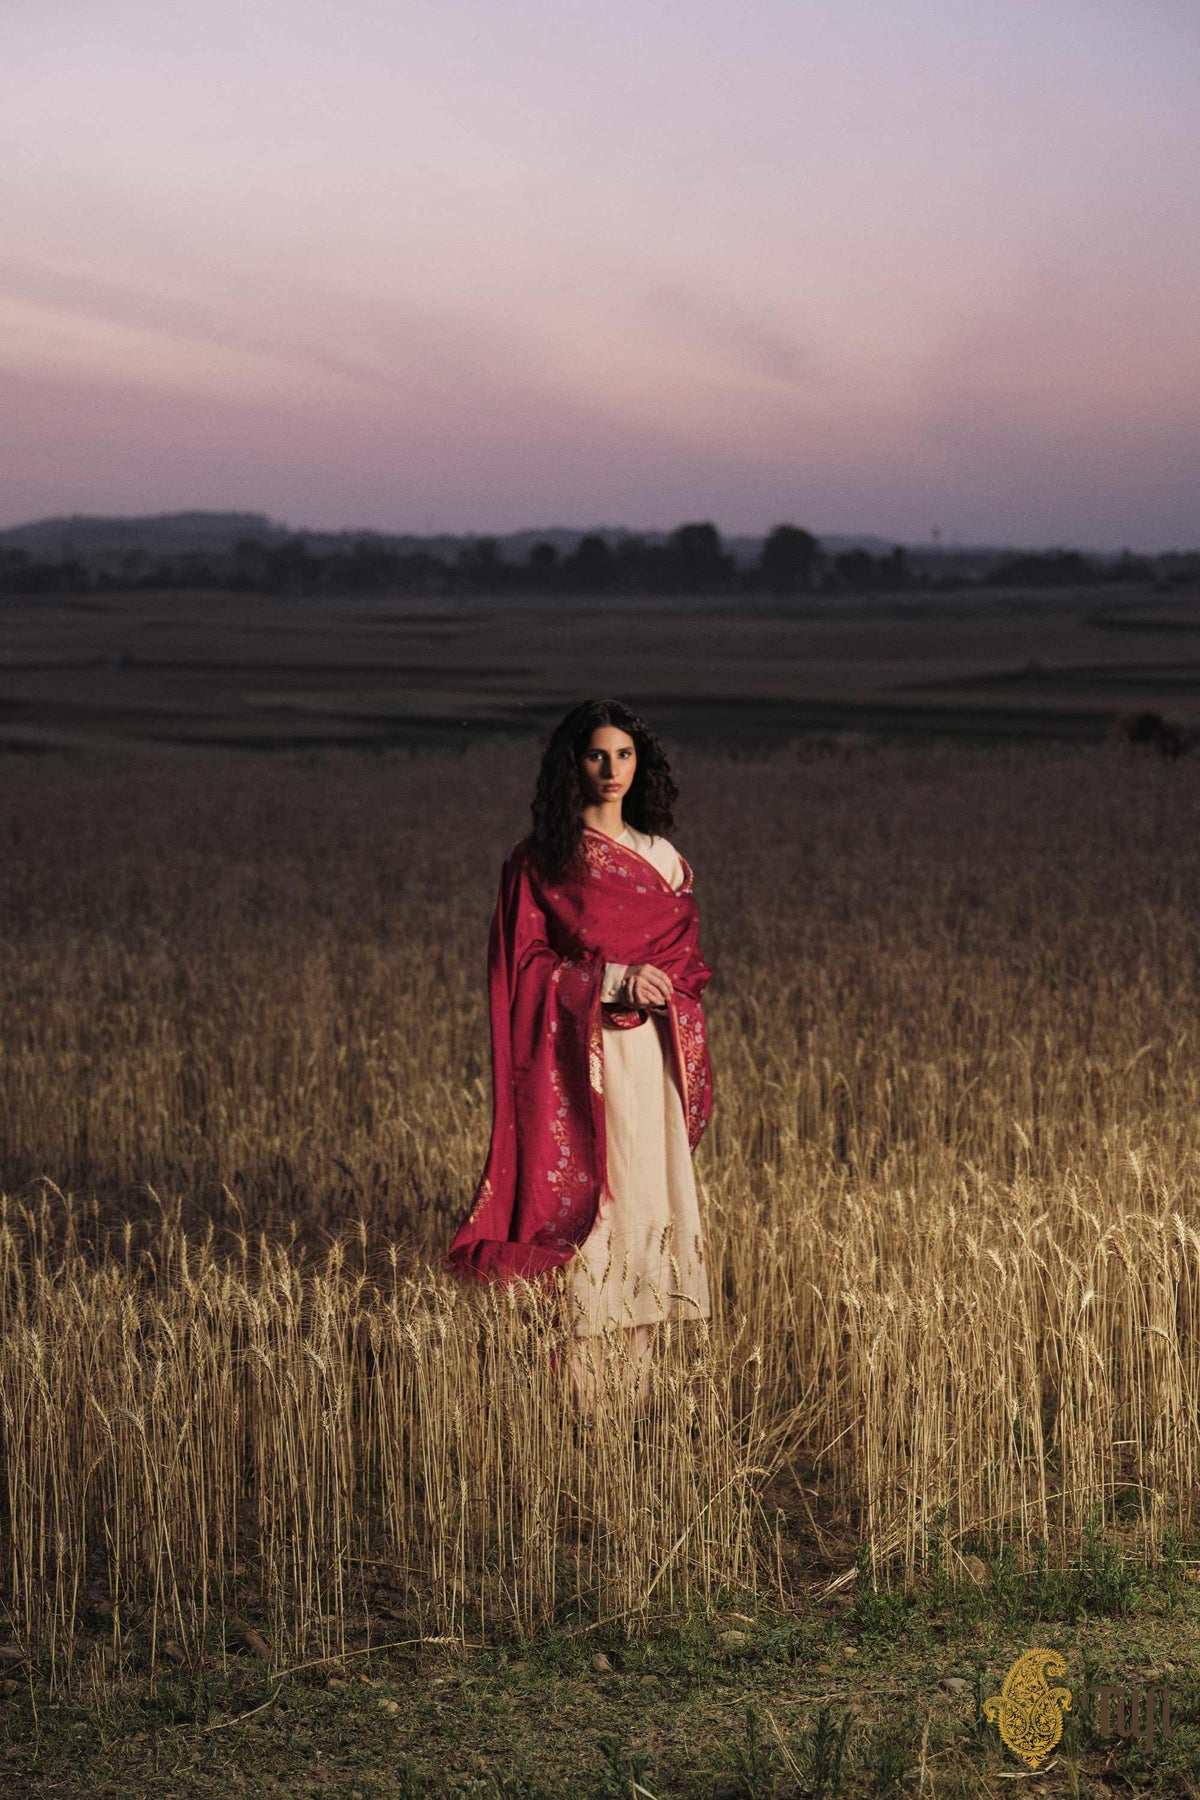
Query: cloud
746, 339
311, 344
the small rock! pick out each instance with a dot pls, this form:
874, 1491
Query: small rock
389, 1706
732, 1640
255, 1641
601, 1664
954, 1684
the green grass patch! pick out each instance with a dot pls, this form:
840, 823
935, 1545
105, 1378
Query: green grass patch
870, 1693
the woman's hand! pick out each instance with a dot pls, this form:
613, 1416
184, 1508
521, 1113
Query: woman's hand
647, 986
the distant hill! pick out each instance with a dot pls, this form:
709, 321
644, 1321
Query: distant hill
88, 538
249, 552
123, 549
165, 534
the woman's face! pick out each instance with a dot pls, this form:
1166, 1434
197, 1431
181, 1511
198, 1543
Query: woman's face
607, 766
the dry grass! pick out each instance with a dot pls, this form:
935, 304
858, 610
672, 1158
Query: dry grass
207, 1437
951, 1192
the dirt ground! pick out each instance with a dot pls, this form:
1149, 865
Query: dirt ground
217, 669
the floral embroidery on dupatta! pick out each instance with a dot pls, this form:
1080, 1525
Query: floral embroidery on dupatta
596, 1055
483, 1198
571, 1177
690, 1044
605, 856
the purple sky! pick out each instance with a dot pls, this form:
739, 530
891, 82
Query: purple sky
877, 265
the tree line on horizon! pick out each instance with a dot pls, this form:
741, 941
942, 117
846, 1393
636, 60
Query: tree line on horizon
692, 559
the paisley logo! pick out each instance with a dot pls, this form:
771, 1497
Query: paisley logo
1027, 1709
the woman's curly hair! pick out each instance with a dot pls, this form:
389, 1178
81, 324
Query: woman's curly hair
558, 802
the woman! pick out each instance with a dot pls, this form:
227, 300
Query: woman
600, 1071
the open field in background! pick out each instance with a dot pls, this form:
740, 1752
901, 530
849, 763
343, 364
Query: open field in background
233, 670
951, 1192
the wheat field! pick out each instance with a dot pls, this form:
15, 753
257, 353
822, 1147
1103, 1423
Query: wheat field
950, 1190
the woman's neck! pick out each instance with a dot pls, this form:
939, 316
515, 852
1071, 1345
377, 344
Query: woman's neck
605, 818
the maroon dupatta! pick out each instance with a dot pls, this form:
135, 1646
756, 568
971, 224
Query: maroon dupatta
545, 1174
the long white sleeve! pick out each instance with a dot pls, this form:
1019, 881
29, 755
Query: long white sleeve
610, 987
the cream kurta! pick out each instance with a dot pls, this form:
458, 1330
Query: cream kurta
623, 1273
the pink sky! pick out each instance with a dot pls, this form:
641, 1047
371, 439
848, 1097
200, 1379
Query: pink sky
876, 265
